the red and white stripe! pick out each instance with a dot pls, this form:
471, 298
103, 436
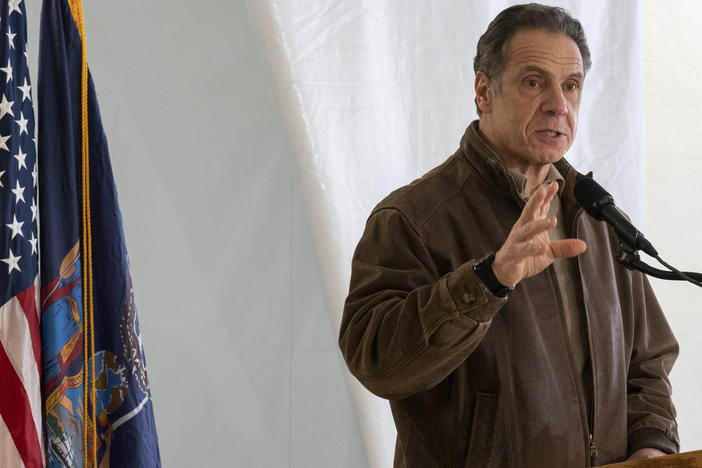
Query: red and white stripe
21, 435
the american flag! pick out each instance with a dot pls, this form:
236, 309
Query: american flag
21, 440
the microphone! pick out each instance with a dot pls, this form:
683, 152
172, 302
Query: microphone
600, 205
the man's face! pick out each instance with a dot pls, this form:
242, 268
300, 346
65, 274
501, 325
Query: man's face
531, 120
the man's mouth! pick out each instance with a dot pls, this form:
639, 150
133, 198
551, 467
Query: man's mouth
551, 133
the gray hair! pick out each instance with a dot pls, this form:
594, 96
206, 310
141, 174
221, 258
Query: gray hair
492, 46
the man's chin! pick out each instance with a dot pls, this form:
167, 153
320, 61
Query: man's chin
548, 157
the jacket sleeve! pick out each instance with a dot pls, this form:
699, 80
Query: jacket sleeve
650, 410
405, 328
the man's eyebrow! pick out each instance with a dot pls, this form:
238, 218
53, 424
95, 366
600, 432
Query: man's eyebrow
533, 68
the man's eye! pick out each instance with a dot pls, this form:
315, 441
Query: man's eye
571, 86
532, 83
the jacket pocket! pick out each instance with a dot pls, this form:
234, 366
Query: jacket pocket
481, 431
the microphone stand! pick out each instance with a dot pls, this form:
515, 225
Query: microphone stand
629, 257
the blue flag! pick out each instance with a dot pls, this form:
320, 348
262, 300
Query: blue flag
98, 408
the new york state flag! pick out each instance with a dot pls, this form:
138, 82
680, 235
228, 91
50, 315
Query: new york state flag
97, 400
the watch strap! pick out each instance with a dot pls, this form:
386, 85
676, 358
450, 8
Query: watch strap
483, 270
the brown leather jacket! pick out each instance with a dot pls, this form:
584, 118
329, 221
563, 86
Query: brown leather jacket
478, 381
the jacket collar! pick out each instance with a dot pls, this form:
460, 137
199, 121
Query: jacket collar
489, 166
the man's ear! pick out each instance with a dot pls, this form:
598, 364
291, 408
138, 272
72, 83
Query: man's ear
483, 92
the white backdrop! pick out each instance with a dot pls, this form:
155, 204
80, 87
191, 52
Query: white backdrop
673, 140
250, 140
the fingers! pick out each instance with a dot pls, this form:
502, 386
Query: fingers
538, 204
567, 248
551, 191
532, 229
532, 209
530, 248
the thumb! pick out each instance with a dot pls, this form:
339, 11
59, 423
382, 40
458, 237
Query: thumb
567, 248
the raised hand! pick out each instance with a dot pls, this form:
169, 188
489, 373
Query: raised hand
528, 250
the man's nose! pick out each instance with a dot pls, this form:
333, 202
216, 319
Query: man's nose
555, 102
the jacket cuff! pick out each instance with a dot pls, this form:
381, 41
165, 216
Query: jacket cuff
468, 296
648, 437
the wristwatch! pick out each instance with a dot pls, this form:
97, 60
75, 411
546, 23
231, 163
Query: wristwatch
483, 270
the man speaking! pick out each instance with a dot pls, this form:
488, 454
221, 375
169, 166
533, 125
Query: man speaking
488, 308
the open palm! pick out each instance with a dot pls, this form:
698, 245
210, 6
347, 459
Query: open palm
528, 250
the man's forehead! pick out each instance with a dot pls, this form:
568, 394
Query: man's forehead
545, 51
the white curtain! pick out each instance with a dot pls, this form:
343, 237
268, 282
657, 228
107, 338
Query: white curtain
375, 93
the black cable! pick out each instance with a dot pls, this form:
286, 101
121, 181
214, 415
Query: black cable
629, 257
679, 273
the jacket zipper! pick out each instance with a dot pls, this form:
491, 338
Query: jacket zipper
591, 417
584, 417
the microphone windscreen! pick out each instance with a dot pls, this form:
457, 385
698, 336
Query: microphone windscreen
592, 196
